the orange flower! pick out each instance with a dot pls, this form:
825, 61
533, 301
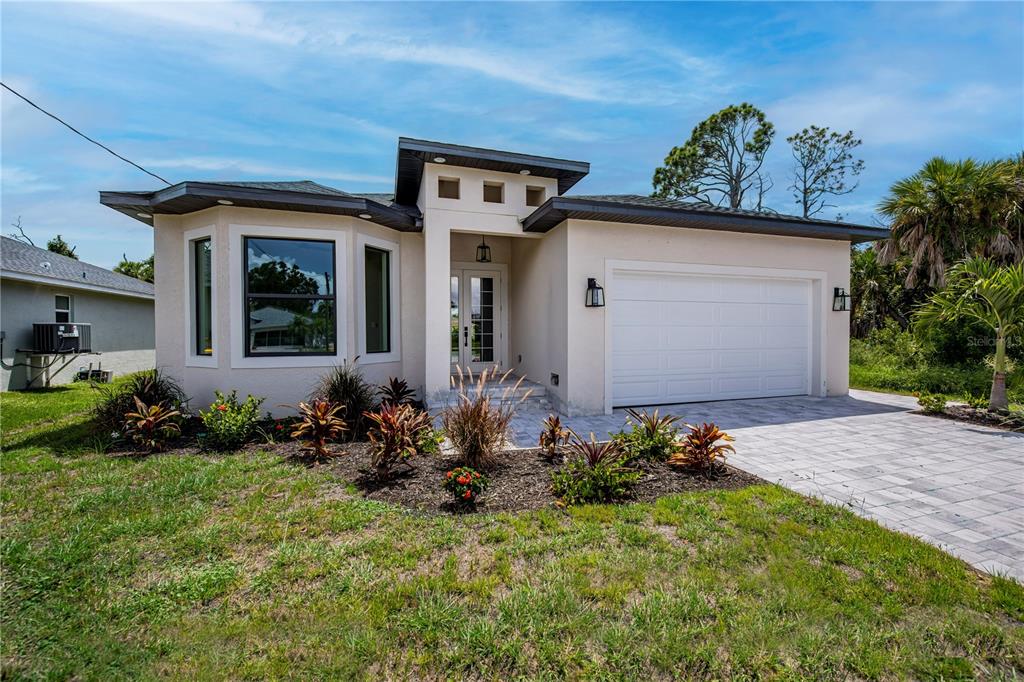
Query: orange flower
222, 407
450, 473
468, 494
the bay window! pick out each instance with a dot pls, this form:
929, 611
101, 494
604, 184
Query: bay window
290, 297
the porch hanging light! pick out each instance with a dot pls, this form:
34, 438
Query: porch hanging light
595, 294
840, 300
483, 252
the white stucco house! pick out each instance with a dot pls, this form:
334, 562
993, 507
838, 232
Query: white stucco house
41, 287
480, 257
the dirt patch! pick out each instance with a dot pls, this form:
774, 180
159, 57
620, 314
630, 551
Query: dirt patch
973, 415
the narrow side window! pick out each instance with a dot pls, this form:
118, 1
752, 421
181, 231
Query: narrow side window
62, 308
203, 266
377, 267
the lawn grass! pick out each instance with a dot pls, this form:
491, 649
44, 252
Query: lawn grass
247, 566
45, 406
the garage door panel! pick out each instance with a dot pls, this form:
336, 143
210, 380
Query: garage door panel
680, 338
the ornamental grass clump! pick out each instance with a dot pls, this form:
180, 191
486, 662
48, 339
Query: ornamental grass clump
230, 424
651, 437
477, 424
395, 434
465, 485
320, 423
344, 385
595, 472
703, 449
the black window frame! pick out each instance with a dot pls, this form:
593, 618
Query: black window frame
387, 299
199, 352
246, 296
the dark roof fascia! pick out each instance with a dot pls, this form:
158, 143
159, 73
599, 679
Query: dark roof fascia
557, 209
413, 153
208, 194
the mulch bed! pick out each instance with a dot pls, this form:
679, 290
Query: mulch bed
520, 482
982, 417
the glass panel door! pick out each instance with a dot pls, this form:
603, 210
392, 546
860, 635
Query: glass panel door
475, 319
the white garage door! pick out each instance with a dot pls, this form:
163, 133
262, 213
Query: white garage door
685, 338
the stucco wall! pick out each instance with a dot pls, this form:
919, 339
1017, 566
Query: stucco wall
539, 301
591, 244
122, 329
281, 386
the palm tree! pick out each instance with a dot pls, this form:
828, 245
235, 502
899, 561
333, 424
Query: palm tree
949, 211
978, 289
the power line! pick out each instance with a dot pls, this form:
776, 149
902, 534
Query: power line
81, 134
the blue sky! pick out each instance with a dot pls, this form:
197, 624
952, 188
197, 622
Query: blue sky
322, 91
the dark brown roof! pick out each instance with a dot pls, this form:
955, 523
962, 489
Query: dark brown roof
639, 209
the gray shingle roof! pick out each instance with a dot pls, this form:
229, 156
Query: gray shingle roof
18, 257
642, 200
289, 186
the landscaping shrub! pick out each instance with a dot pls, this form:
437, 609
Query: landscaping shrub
229, 424
702, 448
396, 392
651, 437
595, 472
932, 404
150, 427
395, 436
477, 424
465, 485
151, 387
344, 385
320, 423
430, 439
552, 435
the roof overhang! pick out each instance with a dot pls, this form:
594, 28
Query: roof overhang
413, 154
557, 209
189, 197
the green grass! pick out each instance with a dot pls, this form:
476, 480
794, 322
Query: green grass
247, 566
43, 406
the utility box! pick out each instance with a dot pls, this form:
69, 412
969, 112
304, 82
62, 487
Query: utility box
62, 337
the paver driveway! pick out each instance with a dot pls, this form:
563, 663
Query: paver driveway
956, 485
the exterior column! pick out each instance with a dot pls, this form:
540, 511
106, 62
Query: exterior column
436, 313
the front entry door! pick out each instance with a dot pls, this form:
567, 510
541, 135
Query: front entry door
476, 319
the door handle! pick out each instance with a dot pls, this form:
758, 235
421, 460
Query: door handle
465, 336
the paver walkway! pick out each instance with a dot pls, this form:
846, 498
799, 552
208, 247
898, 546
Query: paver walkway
955, 485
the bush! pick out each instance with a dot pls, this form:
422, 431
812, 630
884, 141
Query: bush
150, 427
595, 472
552, 436
651, 437
345, 386
396, 392
151, 387
931, 403
477, 424
320, 423
395, 436
702, 449
229, 424
465, 484
429, 442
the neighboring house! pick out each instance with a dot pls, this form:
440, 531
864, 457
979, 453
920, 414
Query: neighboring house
39, 286
480, 258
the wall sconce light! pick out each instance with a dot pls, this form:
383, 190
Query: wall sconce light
483, 252
595, 294
840, 300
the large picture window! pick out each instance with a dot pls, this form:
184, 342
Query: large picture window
290, 297
377, 270
203, 265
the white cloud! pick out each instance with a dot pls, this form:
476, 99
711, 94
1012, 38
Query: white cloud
267, 171
17, 180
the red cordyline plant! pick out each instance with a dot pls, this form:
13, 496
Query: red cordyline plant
465, 484
396, 392
151, 426
320, 422
395, 435
477, 424
702, 448
552, 435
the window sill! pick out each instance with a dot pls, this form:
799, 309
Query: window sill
284, 361
208, 361
379, 358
